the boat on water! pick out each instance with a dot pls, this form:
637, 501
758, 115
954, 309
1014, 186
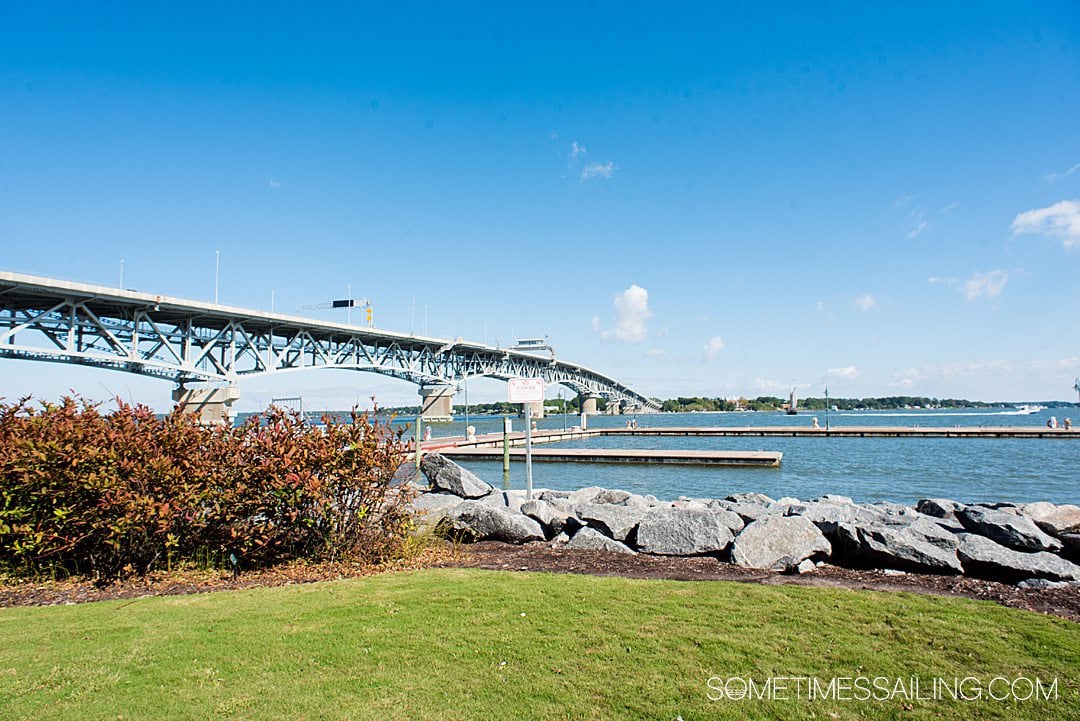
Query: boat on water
793, 403
1027, 410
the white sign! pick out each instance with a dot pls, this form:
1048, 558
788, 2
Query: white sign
526, 390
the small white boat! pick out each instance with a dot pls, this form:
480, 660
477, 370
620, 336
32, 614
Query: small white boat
1027, 410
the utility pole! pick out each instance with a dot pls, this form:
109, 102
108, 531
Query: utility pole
217, 273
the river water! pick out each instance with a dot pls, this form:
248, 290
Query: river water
867, 469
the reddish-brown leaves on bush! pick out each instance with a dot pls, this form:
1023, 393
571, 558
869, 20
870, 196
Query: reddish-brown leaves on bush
121, 493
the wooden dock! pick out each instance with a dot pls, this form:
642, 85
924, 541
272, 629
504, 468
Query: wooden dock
495, 440
758, 459
854, 432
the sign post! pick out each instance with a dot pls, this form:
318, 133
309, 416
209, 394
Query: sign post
527, 391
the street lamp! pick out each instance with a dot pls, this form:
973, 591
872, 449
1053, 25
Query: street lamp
826, 408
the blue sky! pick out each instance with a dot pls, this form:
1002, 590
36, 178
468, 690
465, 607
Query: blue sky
699, 199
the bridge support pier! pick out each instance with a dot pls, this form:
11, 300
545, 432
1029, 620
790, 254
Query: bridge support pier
536, 410
614, 408
437, 403
212, 405
588, 404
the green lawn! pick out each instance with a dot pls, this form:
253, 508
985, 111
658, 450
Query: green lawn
466, 644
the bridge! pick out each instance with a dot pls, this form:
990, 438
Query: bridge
205, 348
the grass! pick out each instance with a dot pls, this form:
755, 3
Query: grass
467, 644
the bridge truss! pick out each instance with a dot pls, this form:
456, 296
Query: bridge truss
187, 341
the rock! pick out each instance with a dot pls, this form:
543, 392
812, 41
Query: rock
904, 547
777, 542
690, 503
789, 501
615, 521
757, 499
1055, 520
487, 521
684, 531
1041, 584
806, 567
584, 495
560, 540
836, 500
983, 557
748, 511
1071, 541
938, 507
827, 516
445, 475
1008, 529
550, 517
620, 498
550, 496
589, 539
433, 507
511, 500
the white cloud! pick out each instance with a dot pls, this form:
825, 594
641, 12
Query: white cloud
848, 372
988, 285
656, 353
1054, 177
713, 348
949, 208
918, 229
866, 302
273, 183
1060, 220
631, 315
576, 149
598, 170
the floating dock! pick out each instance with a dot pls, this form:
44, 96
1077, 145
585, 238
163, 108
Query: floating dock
758, 459
517, 438
853, 432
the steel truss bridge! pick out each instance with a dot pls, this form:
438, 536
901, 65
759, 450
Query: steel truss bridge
188, 341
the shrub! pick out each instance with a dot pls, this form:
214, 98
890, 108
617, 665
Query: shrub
120, 493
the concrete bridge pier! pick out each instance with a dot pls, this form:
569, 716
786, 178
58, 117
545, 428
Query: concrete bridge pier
437, 403
212, 405
588, 403
536, 410
614, 408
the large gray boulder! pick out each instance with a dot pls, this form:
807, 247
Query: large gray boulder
982, 557
758, 499
615, 521
550, 517
778, 542
917, 547
685, 531
1055, 520
506, 499
445, 475
589, 539
485, 521
1008, 528
938, 507
430, 508
828, 516
749, 511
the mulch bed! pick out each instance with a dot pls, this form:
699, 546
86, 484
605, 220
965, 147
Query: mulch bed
1063, 602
